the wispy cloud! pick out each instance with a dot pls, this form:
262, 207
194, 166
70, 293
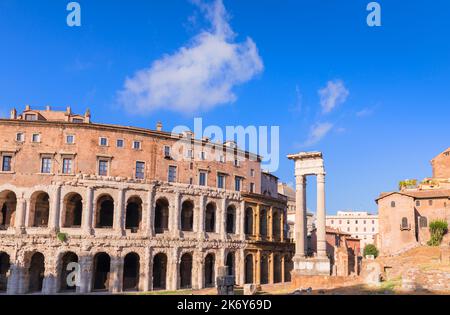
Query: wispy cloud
200, 75
317, 133
334, 94
365, 112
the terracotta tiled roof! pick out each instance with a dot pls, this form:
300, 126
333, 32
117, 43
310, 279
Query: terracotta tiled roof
419, 194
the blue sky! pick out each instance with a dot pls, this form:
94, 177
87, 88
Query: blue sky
392, 120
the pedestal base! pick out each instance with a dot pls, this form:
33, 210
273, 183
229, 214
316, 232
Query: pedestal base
312, 266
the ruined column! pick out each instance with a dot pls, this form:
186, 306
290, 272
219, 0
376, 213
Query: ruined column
321, 219
20, 221
150, 215
55, 209
119, 213
146, 284
117, 264
201, 217
86, 266
175, 214
88, 208
300, 214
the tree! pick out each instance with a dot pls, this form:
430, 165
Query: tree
438, 229
371, 250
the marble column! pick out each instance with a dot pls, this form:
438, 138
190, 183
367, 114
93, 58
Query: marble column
321, 219
88, 208
300, 214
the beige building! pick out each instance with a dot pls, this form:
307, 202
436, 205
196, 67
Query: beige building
405, 214
117, 202
360, 225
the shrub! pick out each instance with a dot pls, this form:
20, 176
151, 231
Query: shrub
62, 237
438, 229
371, 250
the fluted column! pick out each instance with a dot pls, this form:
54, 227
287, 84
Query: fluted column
321, 232
88, 209
300, 214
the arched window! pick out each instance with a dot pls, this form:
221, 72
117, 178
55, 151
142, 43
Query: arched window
105, 212
186, 271
276, 225
187, 216
64, 284
102, 268
231, 215
161, 216
8, 204
210, 218
423, 222
230, 264
264, 269
392, 204
73, 204
131, 268
40, 209
209, 270
133, 214
249, 279
249, 221
36, 273
263, 222
159, 272
405, 225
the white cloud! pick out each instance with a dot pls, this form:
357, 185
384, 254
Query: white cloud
200, 75
334, 94
365, 112
317, 133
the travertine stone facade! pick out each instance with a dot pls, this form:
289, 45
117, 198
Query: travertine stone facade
116, 208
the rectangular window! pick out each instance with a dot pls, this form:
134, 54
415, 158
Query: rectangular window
36, 138
20, 137
140, 170
103, 142
78, 120
221, 181
166, 151
70, 139
103, 167
120, 143
136, 145
237, 183
46, 165
202, 179
67, 166
252, 173
6, 163
237, 163
30, 117
203, 156
252, 187
172, 174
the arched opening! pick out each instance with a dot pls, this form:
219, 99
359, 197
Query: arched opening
277, 278
249, 221
263, 222
186, 271
134, 214
187, 216
288, 266
276, 225
210, 218
161, 216
66, 278
230, 264
249, 279
264, 269
73, 204
8, 204
209, 270
36, 273
131, 272
4, 268
40, 209
231, 214
105, 212
102, 268
159, 272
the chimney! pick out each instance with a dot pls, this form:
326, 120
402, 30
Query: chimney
48, 108
87, 116
13, 114
159, 126
68, 110
27, 107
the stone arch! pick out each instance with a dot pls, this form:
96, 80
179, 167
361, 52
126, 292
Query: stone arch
133, 218
210, 261
276, 225
73, 210
39, 209
210, 217
230, 263
249, 221
8, 205
231, 219
104, 212
187, 216
101, 274
36, 273
161, 215
66, 259
160, 272
186, 271
131, 272
263, 222
5, 264
277, 269
288, 267
264, 265
249, 266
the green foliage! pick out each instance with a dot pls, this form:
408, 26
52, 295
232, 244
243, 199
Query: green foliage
438, 229
62, 237
407, 183
371, 250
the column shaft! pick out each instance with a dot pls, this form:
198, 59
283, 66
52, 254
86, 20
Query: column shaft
300, 213
321, 220
87, 211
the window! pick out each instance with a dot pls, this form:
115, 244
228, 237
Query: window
252, 187
237, 163
418, 203
365, 222
46, 165
340, 221
332, 221
221, 159
190, 154
348, 221
237, 183
203, 156
67, 166
70, 139
20, 137
172, 174
373, 221
78, 120
356, 222
373, 229
103, 142
167, 152
36, 138
202, 179
404, 225
6, 163
393, 204
120, 143
136, 145
140, 170
430, 202
103, 167
30, 117
423, 222
221, 181
252, 173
